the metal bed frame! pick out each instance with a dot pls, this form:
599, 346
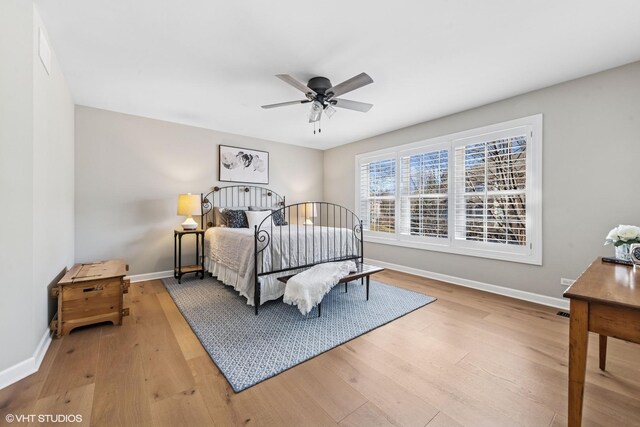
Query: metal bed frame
331, 224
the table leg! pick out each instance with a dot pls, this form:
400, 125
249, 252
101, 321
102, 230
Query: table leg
578, 344
179, 258
197, 250
345, 287
200, 260
368, 288
175, 255
603, 352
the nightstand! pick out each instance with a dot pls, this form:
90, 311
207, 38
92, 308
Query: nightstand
178, 269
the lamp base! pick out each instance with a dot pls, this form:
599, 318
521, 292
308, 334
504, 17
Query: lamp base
189, 224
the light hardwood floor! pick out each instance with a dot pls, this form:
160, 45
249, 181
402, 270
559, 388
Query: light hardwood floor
471, 358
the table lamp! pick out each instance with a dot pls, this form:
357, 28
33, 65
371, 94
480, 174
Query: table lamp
189, 204
309, 212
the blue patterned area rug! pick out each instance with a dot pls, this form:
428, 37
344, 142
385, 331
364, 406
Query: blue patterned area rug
249, 349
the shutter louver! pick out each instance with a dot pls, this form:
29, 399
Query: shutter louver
424, 183
377, 195
490, 180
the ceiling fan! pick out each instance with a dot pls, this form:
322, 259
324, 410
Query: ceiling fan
323, 96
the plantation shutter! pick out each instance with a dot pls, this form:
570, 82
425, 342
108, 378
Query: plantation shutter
490, 188
378, 194
424, 184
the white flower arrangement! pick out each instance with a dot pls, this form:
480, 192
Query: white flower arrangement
622, 235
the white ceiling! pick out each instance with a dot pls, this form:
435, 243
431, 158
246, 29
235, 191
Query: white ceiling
211, 63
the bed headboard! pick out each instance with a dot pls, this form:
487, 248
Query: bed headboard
237, 196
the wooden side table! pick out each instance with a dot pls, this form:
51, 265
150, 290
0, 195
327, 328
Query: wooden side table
198, 268
606, 300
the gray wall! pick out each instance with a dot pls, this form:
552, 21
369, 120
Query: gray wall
130, 170
16, 181
53, 177
36, 170
591, 150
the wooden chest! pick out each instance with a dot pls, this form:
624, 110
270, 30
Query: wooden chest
91, 293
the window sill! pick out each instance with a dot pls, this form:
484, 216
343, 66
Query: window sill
529, 258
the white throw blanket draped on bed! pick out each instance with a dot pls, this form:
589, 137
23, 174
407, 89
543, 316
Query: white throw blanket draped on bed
307, 289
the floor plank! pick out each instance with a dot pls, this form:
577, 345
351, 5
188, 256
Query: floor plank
188, 342
367, 415
75, 404
401, 406
182, 409
443, 420
76, 362
120, 393
335, 396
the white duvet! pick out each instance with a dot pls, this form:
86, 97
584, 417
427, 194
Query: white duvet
229, 254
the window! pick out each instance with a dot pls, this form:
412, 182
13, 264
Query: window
424, 199
378, 195
476, 192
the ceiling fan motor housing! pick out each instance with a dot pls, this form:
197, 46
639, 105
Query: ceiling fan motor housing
320, 85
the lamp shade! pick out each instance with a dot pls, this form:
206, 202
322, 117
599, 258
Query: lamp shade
310, 210
189, 204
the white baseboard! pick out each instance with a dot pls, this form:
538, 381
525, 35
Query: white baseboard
150, 276
494, 289
27, 367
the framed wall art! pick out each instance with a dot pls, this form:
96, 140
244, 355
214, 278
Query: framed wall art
243, 165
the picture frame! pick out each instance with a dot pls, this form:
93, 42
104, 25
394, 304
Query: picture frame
246, 165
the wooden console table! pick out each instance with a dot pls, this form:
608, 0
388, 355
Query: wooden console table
606, 300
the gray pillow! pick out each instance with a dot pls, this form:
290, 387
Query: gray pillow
219, 220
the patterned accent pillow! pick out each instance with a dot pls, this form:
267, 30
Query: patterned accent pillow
278, 218
236, 218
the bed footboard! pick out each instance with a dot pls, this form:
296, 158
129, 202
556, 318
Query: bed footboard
296, 237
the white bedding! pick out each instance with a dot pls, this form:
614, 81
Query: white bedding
229, 254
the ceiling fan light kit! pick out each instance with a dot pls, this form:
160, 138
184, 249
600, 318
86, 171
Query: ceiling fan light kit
323, 96
316, 111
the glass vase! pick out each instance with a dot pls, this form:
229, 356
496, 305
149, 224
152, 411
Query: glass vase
622, 252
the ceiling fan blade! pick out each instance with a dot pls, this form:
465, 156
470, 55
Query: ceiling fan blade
296, 83
282, 104
353, 83
352, 105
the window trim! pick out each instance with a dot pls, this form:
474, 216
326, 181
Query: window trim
529, 254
